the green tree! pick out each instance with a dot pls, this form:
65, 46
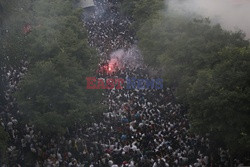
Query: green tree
209, 69
53, 94
141, 10
14, 15
3, 143
4, 7
219, 100
182, 47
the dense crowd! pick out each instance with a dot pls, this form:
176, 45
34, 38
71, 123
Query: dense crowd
142, 128
108, 30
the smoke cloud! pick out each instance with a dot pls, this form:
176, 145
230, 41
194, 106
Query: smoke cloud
130, 57
233, 15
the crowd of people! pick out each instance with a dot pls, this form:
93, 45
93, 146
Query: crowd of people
108, 30
142, 128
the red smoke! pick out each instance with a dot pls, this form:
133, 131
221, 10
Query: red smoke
110, 67
113, 65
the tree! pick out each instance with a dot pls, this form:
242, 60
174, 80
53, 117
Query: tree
219, 100
209, 69
4, 8
182, 47
3, 143
53, 94
141, 10
12, 40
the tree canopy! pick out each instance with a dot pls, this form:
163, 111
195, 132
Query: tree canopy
50, 36
3, 143
207, 66
219, 99
141, 10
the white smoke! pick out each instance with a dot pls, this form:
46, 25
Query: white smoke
129, 57
231, 14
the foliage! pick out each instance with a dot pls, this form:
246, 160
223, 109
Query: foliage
13, 16
182, 47
141, 10
3, 143
209, 69
4, 7
219, 99
52, 95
